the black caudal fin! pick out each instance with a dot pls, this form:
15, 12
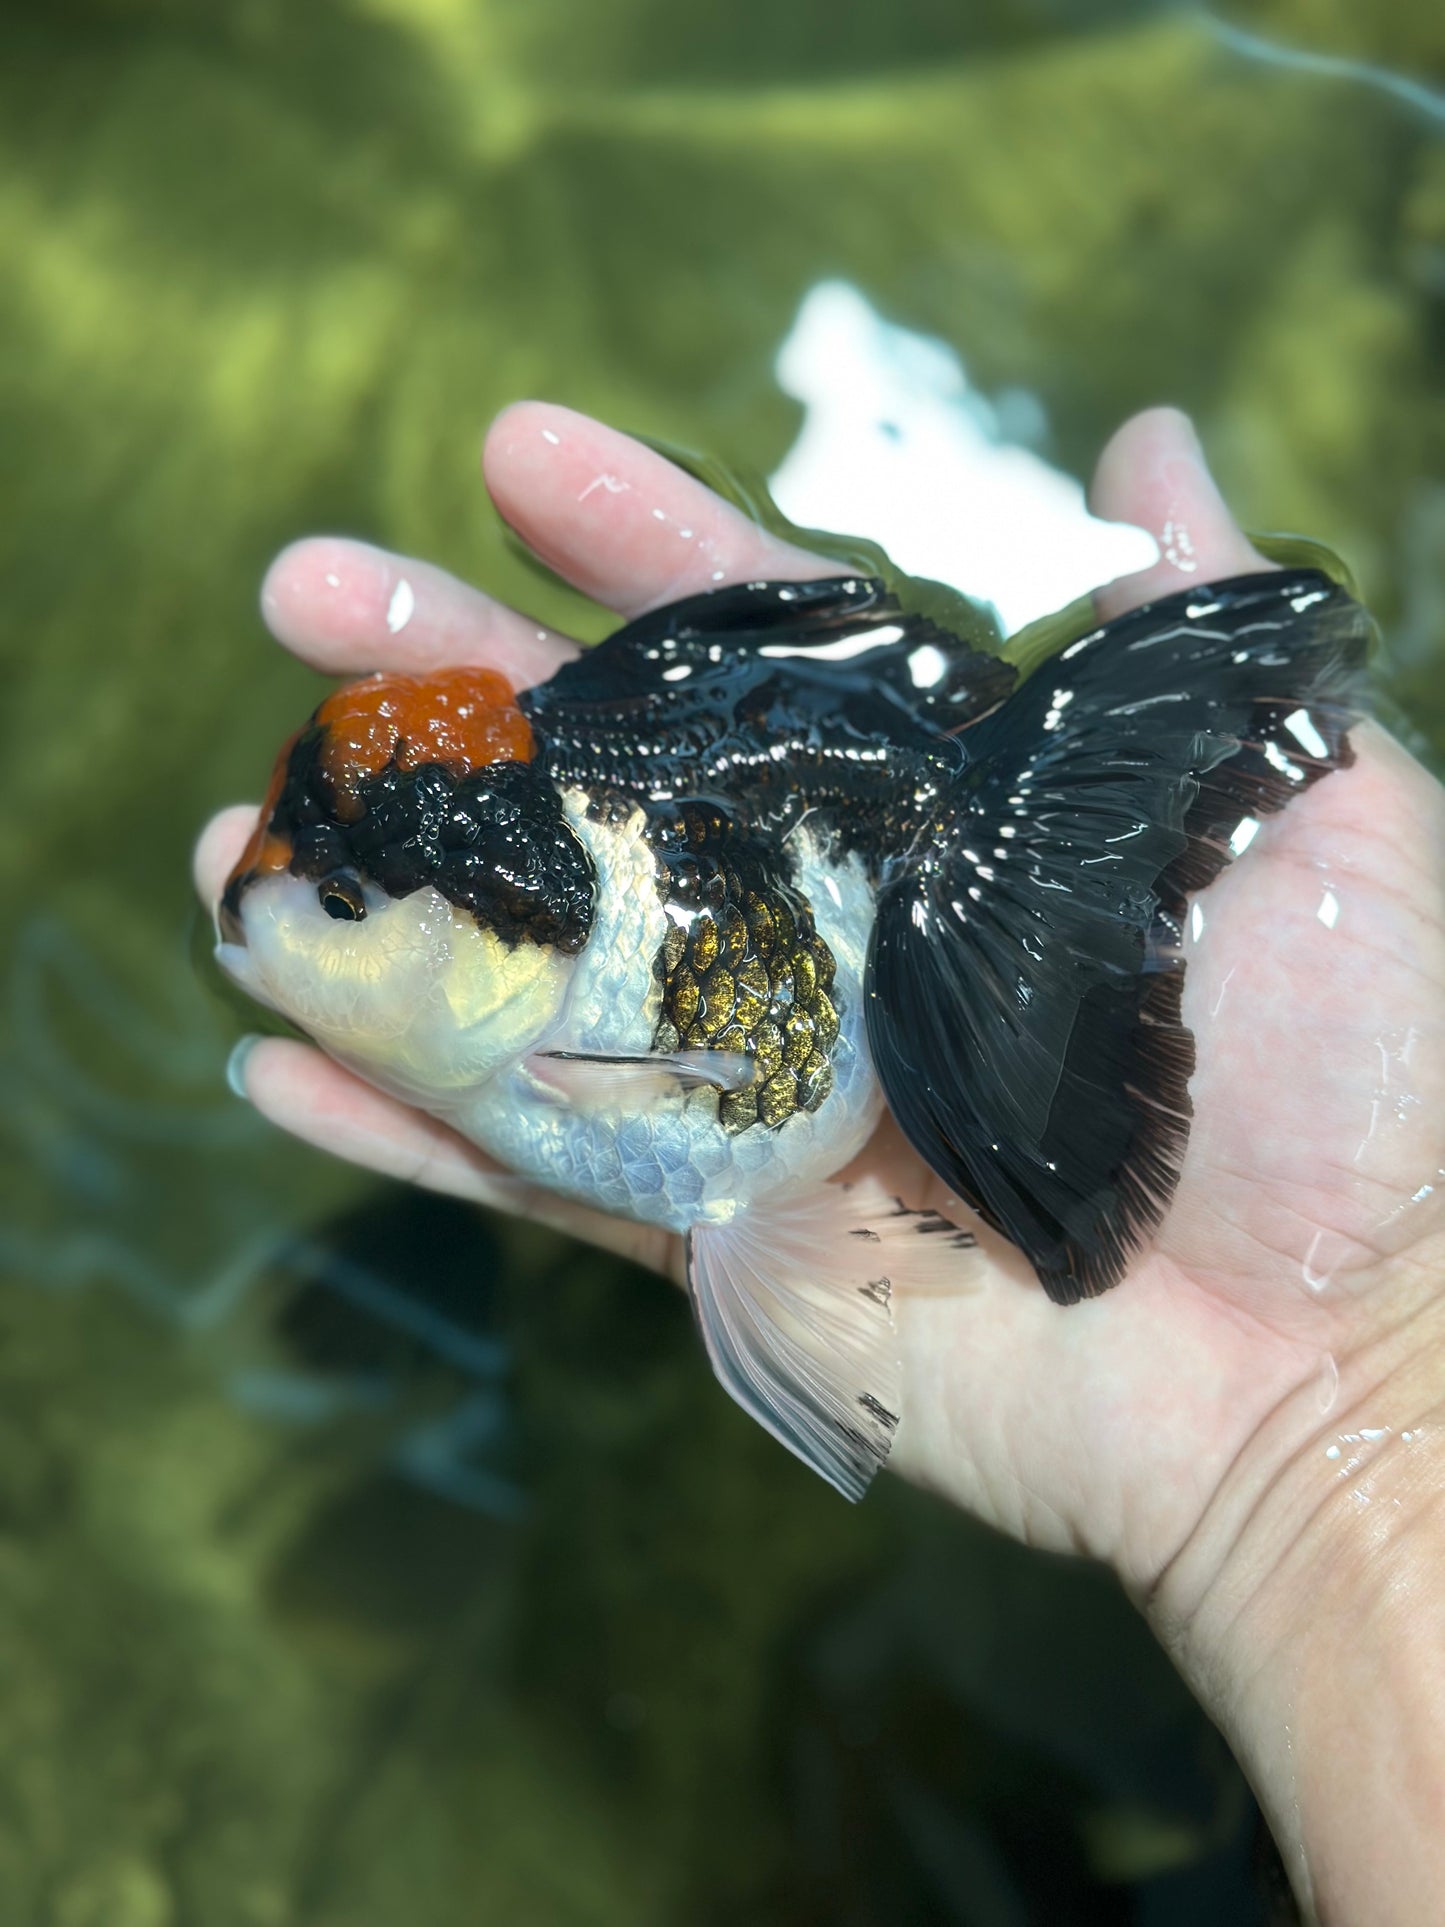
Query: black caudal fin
794, 1302
1024, 980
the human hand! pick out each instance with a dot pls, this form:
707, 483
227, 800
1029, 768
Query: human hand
1178, 1426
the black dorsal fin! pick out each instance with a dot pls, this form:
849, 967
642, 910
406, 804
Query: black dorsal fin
842, 632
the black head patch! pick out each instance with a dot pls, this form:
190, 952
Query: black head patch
494, 841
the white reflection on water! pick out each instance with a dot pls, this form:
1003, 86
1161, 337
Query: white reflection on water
897, 445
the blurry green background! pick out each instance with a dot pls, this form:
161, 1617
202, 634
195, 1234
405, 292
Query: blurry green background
363, 1560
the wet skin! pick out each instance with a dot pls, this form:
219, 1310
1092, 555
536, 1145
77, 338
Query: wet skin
1176, 1427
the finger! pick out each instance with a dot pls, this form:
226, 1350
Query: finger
345, 606
316, 1100
1153, 474
621, 522
218, 850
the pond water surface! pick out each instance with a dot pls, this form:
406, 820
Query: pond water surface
362, 1559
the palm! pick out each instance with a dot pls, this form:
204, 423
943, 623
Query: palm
1319, 1094
1319, 1114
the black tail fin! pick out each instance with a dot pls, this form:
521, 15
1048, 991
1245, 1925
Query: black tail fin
1024, 977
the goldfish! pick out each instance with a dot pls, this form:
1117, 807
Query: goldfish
670, 932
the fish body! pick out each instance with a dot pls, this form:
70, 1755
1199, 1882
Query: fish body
668, 932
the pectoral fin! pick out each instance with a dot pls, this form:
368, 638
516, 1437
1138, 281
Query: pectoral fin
588, 1082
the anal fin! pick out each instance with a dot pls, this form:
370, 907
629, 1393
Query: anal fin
794, 1300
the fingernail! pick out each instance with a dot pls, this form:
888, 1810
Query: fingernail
236, 1064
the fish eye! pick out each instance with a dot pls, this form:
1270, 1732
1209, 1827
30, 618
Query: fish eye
341, 898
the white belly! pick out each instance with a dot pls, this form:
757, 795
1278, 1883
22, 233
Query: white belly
670, 1161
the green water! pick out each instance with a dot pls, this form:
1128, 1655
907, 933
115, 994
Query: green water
283, 1638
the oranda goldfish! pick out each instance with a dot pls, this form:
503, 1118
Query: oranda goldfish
669, 931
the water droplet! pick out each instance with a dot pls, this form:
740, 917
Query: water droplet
1178, 546
1245, 831
400, 609
612, 483
1301, 726
1218, 1004
1316, 1276
1328, 1390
